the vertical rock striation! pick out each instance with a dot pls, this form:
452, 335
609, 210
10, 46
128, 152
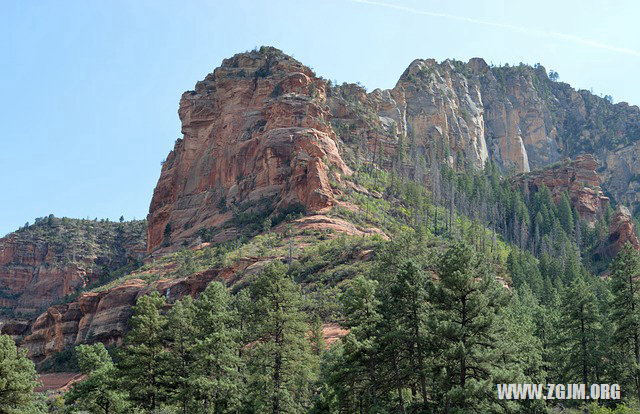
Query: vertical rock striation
256, 138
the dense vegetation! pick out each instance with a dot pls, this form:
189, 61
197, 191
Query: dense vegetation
431, 330
18, 379
104, 249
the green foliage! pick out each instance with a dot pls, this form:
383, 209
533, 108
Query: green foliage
625, 313
582, 329
565, 215
99, 393
280, 362
464, 325
326, 267
217, 376
64, 361
143, 357
182, 354
18, 379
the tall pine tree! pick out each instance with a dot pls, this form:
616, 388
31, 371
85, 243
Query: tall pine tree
625, 311
464, 328
99, 393
143, 357
280, 360
18, 379
217, 372
581, 329
182, 357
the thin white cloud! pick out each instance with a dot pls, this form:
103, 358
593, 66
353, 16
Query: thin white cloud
529, 31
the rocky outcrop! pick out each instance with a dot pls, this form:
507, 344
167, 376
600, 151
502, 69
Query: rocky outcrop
256, 140
621, 232
58, 382
103, 316
55, 257
441, 106
16, 328
466, 113
261, 134
577, 177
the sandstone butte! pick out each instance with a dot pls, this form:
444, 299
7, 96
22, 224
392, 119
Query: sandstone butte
263, 134
256, 136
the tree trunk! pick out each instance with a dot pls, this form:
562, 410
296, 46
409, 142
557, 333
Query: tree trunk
636, 340
583, 341
398, 385
276, 383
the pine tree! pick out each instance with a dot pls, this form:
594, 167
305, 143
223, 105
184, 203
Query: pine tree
182, 358
18, 379
217, 374
355, 378
143, 357
99, 393
572, 265
318, 344
565, 213
549, 321
243, 309
465, 301
520, 350
405, 313
625, 310
581, 329
280, 361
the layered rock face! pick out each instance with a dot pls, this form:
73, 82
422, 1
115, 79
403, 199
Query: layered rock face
621, 232
256, 136
578, 178
56, 257
103, 316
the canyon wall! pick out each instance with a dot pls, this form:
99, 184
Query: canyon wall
53, 258
263, 133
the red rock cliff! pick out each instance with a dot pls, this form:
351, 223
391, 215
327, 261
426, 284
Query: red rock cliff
104, 315
621, 232
55, 257
578, 177
256, 137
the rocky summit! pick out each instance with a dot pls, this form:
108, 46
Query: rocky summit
263, 134
256, 137
272, 153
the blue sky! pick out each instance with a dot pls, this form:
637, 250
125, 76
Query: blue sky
90, 89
